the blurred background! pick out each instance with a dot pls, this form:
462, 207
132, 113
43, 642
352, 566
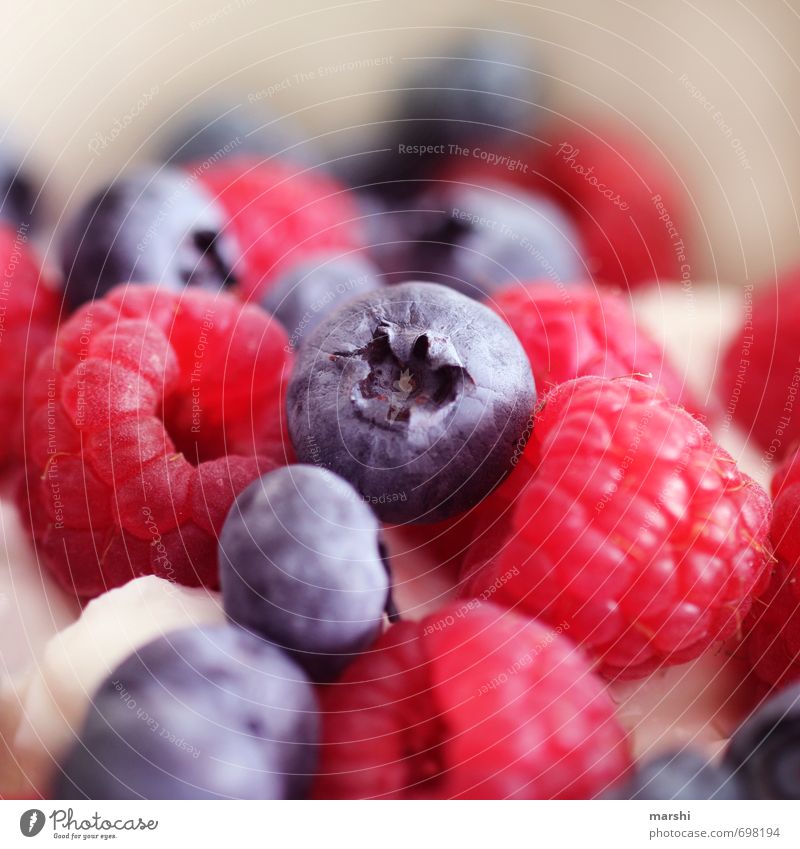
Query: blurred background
711, 86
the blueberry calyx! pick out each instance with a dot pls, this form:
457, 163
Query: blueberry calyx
211, 259
406, 373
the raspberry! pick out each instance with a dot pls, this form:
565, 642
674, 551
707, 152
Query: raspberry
29, 311
771, 644
280, 216
785, 530
760, 372
472, 702
626, 202
576, 331
636, 528
141, 428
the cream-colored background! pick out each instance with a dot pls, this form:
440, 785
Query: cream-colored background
70, 70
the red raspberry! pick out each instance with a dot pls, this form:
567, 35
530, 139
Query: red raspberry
759, 381
280, 216
785, 530
626, 200
578, 330
636, 528
771, 645
142, 425
29, 311
473, 702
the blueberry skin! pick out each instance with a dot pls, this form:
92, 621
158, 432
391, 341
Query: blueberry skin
221, 130
484, 88
476, 239
684, 775
147, 227
300, 564
417, 395
302, 296
764, 751
482, 91
18, 191
201, 713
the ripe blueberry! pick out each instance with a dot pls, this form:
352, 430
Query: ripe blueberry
201, 713
417, 395
220, 130
147, 227
682, 775
302, 296
475, 239
765, 750
300, 563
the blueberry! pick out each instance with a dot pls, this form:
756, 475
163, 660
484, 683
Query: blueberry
18, 190
683, 775
482, 93
764, 751
300, 563
147, 227
417, 395
209, 712
225, 129
302, 296
475, 239
483, 88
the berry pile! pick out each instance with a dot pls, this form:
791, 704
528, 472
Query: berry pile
299, 390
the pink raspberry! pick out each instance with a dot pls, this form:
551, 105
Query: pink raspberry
771, 644
29, 310
280, 216
580, 330
785, 530
627, 201
636, 528
143, 422
759, 377
474, 702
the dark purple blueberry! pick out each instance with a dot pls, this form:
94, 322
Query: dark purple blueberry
302, 296
300, 563
201, 713
18, 190
764, 752
684, 775
475, 239
147, 227
226, 129
484, 91
482, 88
417, 395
